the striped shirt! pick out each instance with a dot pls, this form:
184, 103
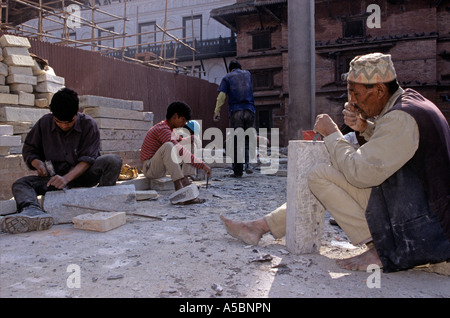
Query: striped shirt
158, 135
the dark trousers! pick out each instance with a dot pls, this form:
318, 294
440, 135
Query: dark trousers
241, 119
104, 172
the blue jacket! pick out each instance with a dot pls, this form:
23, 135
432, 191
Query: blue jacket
239, 88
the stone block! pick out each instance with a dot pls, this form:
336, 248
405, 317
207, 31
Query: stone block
3, 69
148, 116
18, 60
108, 112
8, 207
110, 145
41, 102
13, 40
20, 70
4, 89
15, 50
2, 80
112, 123
46, 77
141, 183
9, 141
305, 214
99, 222
21, 114
5, 151
137, 105
6, 130
26, 99
100, 101
9, 99
146, 195
21, 79
162, 184
19, 87
65, 205
47, 87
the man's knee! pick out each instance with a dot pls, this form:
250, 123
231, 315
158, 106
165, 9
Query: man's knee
317, 175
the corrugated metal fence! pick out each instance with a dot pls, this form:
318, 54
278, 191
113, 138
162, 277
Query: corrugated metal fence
90, 73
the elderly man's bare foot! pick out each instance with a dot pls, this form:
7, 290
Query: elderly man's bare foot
362, 261
249, 232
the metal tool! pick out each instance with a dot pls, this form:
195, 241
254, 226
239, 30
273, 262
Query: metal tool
51, 171
316, 136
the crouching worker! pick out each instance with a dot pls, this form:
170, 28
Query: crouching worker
64, 149
392, 193
161, 152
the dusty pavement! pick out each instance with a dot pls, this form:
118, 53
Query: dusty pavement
189, 254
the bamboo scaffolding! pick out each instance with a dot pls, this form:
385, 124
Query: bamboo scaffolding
59, 17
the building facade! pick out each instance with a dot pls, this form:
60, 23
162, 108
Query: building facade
415, 32
149, 30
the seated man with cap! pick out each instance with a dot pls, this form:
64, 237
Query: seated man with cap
162, 153
392, 193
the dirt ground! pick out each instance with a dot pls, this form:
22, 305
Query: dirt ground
189, 254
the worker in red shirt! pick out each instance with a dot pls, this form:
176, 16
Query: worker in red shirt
161, 154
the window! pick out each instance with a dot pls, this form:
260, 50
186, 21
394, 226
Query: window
147, 34
354, 28
192, 27
106, 39
262, 41
262, 79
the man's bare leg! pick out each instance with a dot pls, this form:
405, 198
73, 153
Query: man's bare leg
362, 261
250, 231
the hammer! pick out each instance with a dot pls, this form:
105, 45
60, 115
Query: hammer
51, 170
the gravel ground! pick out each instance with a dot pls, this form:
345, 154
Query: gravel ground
188, 254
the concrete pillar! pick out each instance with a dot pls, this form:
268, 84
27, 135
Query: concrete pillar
301, 67
305, 214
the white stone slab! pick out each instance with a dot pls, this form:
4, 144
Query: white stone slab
100, 101
15, 88
21, 114
26, 99
3, 69
19, 60
46, 77
59, 204
13, 40
15, 50
47, 87
9, 141
23, 70
9, 99
100, 221
305, 214
21, 79
108, 112
6, 130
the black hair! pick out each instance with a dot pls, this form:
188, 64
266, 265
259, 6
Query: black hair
234, 65
65, 104
180, 108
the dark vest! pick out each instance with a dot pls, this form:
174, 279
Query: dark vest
408, 214
432, 159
